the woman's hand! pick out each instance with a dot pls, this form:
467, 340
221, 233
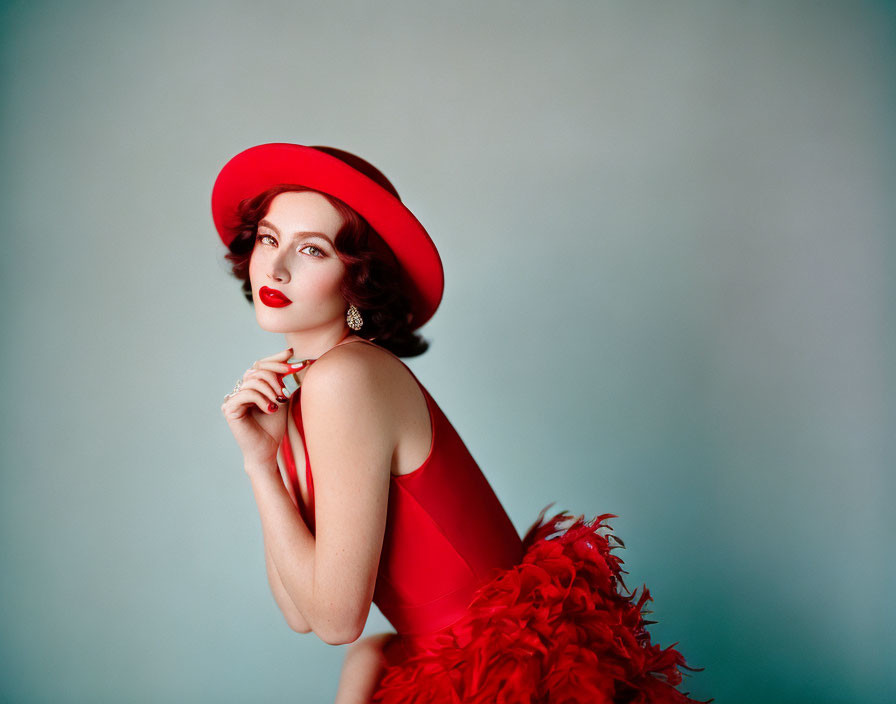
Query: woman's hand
257, 413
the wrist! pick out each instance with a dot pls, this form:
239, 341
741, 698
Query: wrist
261, 468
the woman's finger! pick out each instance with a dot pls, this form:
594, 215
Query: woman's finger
282, 367
245, 398
284, 354
273, 393
285, 373
272, 382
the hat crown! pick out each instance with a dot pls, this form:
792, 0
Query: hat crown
359, 164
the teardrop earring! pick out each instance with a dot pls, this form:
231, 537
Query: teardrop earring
353, 318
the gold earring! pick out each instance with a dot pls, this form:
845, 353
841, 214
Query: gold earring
353, 318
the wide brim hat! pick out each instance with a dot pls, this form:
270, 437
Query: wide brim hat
354, 181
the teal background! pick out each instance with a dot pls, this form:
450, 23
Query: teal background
667, 231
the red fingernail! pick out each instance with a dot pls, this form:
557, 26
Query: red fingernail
272, 407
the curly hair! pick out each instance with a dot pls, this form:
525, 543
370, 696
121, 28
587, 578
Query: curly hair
371, 271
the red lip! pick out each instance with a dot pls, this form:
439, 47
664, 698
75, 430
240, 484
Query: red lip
272, 297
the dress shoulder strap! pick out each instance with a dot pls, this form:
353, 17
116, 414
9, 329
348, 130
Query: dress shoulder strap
360, 339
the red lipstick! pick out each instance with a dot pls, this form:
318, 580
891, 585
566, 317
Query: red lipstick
272, 297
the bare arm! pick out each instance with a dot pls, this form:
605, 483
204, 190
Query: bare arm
288, 544
292, 615
330, 577
294, 618
350, 435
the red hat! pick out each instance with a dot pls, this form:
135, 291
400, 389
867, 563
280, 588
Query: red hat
351, 179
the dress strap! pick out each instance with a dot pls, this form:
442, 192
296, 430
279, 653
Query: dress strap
357, 339
292, 473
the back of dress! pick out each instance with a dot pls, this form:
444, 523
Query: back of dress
446, 534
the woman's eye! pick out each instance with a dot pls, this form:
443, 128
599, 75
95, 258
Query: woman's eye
320, 252
316, 252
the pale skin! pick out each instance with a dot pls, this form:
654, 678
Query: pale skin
365, 419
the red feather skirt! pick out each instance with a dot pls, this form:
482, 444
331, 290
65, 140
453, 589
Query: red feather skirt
553, 629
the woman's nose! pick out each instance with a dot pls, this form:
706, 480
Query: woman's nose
278, 271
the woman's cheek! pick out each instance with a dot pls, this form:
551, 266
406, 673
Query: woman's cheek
331, 290
328, 281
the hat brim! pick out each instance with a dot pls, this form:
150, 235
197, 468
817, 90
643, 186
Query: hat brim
258, 168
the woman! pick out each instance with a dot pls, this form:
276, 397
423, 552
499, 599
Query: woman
396, 512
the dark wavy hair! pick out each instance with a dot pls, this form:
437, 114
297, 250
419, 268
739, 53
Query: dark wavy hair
371, 271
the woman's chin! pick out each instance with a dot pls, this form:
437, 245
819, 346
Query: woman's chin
272, 320
271, 323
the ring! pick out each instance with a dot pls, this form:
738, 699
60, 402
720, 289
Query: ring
235, 389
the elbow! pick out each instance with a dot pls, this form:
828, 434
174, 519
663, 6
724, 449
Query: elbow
295, 620
340, 630
340, 637
302, 627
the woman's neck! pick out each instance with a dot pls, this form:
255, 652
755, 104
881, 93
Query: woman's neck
311, 344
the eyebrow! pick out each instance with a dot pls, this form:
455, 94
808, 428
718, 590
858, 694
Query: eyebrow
304, 233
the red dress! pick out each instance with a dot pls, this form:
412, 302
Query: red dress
482, 616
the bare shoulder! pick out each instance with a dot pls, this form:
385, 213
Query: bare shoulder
354, 390
369, 392
358, 359
355, 370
